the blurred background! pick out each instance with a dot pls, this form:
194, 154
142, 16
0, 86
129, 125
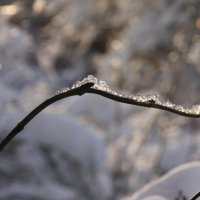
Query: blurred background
89, 147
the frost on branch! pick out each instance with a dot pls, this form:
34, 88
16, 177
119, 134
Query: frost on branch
102, 88
91, 85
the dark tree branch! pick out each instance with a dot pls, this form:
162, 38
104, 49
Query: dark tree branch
60, 95
92, 85
149, 101
196, 196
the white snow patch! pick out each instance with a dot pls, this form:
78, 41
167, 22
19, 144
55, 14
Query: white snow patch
70, 136
185, 179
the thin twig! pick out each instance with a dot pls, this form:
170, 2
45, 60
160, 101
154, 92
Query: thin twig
61, 95
92, 85
196, 196
179, 110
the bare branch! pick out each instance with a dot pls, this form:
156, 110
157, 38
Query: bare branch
92, 85
78, 89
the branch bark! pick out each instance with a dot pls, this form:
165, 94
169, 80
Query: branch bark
92, 85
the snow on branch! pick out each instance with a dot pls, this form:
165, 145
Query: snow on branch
92, 85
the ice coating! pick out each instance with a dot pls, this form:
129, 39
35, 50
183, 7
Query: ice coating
77, 84
196, 109
152, 100
63, 90
88, 79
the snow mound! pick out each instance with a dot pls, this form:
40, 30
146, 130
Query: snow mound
183, 180
63, 133
69, 136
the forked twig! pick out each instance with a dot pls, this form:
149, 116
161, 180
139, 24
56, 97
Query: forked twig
92, 85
